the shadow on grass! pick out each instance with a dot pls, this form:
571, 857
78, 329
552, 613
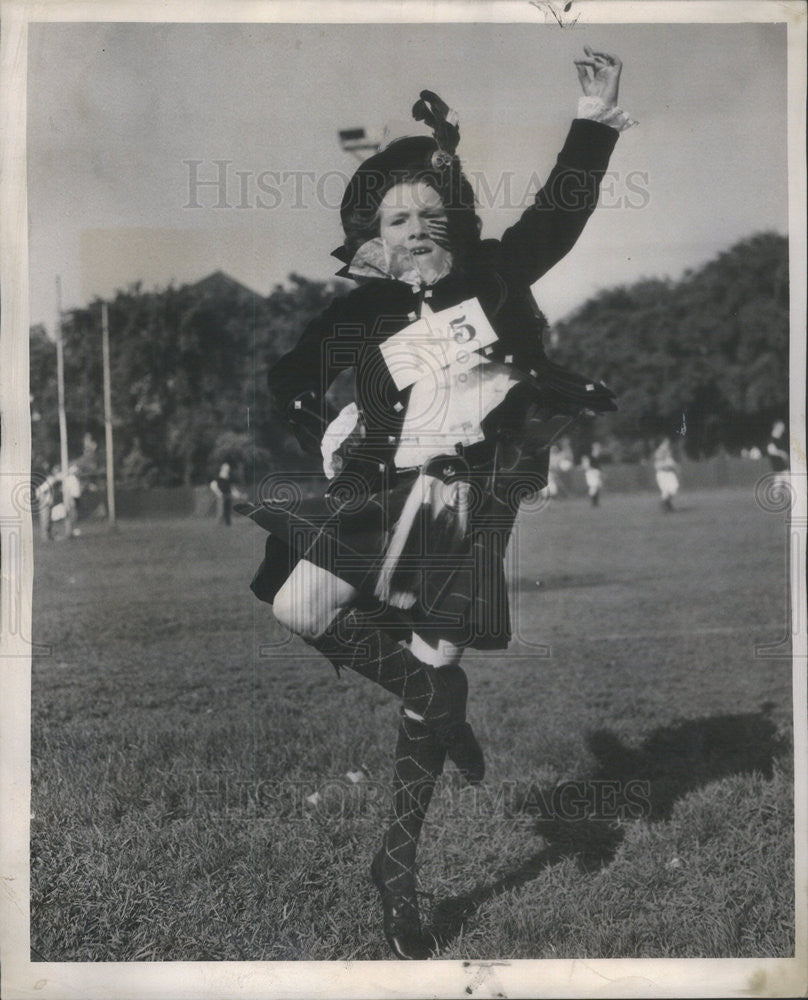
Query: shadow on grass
627, 783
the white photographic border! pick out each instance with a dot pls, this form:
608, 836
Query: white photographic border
200, 981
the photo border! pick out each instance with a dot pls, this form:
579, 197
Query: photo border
523, 978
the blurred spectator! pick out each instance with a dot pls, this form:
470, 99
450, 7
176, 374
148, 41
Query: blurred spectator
45, 500
72, 495
224, 491
667, 473
58, 510
777, 450
591, 463
551, 490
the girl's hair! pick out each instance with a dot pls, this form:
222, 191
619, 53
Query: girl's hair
408, 161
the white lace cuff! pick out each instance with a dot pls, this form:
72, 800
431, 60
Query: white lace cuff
595, 110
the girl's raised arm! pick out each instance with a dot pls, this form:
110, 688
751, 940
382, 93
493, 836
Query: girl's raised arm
549, 228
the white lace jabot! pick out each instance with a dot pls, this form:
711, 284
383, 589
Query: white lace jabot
374, 259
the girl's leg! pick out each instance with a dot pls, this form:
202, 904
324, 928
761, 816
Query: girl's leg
434, 695
430, 683
433, 688
311, 603
418, 764
419, 760
310, 600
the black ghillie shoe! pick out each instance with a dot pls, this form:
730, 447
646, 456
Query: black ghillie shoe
463, 750
402, 924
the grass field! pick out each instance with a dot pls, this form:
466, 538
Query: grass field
638, 797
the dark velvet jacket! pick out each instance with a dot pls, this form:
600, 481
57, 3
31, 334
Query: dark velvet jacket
498, 273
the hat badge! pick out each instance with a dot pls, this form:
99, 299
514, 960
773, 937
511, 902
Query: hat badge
441, 159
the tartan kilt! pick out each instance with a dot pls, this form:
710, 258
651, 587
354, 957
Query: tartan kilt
447, 577
425, 548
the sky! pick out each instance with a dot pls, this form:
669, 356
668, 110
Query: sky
123, 118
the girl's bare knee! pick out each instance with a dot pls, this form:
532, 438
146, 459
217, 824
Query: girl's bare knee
296, 615
309, 600
283, 609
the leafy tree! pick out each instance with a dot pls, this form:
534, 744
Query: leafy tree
188, 375
705, 356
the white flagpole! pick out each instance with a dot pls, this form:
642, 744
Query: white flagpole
108, 415
60, 388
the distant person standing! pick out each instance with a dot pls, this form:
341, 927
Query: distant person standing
561, 463
777, 450
222, 487
591, 463
72, 495
667, 473
58, 512
551, 489
45, 500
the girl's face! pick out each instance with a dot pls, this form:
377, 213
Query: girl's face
412, 224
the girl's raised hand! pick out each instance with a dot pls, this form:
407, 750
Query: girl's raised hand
599, 74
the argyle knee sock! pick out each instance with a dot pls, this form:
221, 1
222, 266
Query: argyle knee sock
418, 765
436, 694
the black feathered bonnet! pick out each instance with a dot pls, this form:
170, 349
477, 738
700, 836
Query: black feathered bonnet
431, 159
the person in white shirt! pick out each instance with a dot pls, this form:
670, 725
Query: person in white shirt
666, 469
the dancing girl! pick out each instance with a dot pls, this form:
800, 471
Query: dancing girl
398, 567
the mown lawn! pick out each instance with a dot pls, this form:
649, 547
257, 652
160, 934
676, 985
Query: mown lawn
638, 799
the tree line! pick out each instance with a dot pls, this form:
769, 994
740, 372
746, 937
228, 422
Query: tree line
188, 368
704, 357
